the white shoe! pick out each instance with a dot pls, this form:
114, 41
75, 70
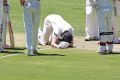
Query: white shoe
1, 49
101, 52
6, 46
30, 53
109, 48
116, 41
95, 38
109, 51
88, 38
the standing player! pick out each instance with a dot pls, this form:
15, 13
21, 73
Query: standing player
104, 10
115, 21
6, 11
91, 23
57, 32
32, 20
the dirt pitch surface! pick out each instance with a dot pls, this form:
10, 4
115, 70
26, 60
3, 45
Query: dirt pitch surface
78, 43
91, 45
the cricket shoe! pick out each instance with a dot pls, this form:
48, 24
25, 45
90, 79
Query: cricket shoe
116, 41
109, 51
109, 48
35, 52
95, 38
101, 52
1, 49
31, 53
5, 46
88, 39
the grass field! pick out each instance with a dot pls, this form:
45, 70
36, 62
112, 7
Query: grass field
72, 11
56, 64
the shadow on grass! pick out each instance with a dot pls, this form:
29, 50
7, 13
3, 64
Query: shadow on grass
42, 54
13, 52
36, 54
113, 53
16, 48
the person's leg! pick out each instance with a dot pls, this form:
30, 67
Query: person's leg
109, 37
115, 24
28, 27
102, 30
47, 30
89, 22
115, 29
5, 24
95, 28
36, 23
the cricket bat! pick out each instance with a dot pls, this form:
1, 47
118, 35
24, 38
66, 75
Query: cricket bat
11, 34
22, 2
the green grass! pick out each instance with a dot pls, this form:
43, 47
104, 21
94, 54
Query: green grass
57, 64
72, 11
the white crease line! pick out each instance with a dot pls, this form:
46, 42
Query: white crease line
18, 54
8, 56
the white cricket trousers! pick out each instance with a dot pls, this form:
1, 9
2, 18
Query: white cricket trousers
105, 17
32, 20
47, 30
116, 21
91, 21
115, 27
5, 24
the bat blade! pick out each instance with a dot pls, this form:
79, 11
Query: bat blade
11, 35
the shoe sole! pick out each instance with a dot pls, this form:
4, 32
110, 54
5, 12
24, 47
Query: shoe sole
91, 39
102, 53
87, 39
109, 52
31, 54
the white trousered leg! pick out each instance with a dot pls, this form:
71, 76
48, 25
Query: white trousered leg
32, 20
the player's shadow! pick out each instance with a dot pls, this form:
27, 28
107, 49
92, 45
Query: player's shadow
16, 48
13, 52
43, 54
113, 53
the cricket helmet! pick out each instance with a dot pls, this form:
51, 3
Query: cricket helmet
66, 36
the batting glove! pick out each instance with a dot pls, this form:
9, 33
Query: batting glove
63, 45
